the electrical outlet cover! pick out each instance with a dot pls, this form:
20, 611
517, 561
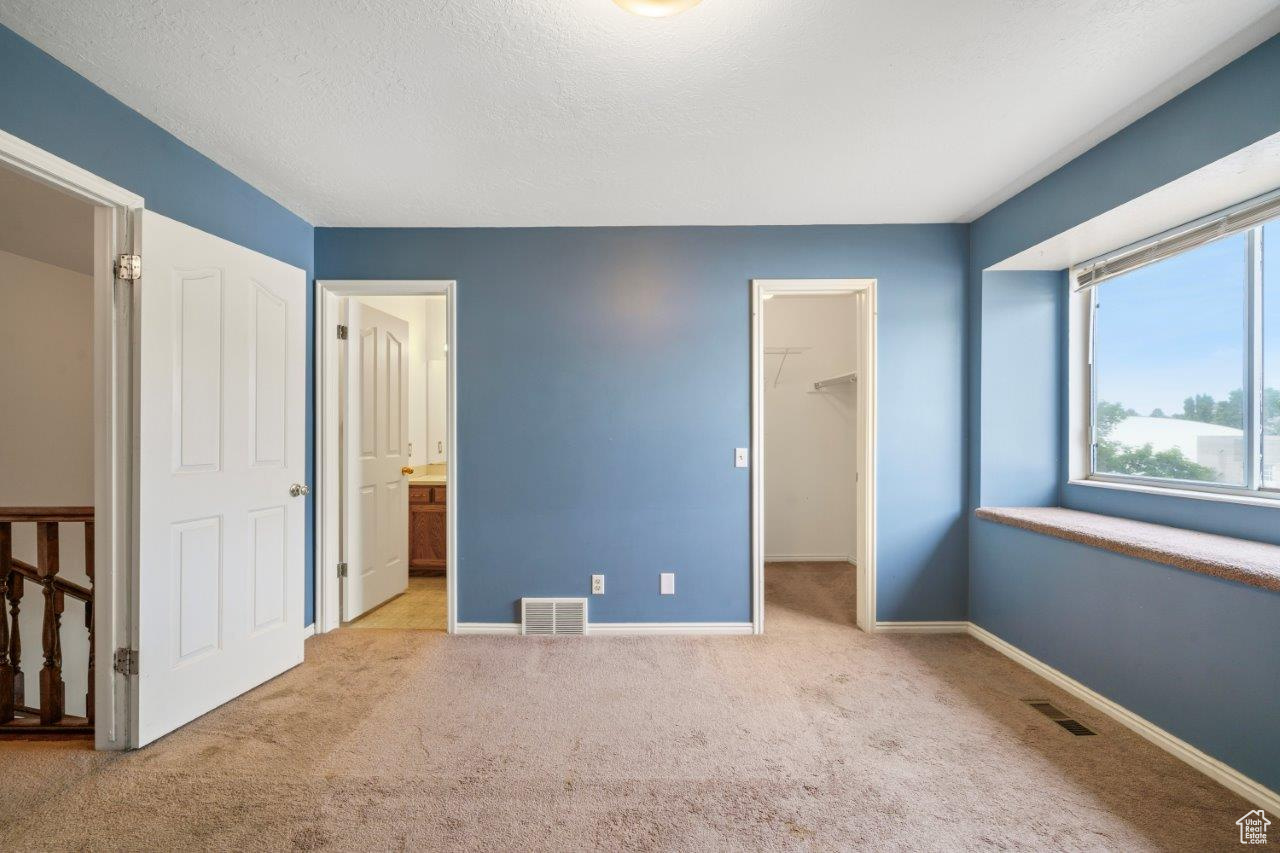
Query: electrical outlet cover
597, 584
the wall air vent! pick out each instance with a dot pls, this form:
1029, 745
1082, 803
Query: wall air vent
553, 616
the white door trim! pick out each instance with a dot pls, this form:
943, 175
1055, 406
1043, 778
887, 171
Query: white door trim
115, 464
328, 295
866, 547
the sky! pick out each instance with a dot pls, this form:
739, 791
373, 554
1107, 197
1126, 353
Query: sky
1174, 329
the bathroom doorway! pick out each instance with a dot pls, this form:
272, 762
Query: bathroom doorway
384, 444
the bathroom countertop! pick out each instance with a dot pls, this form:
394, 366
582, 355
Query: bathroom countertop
428, 475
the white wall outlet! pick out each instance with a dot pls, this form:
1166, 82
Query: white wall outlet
739, 457
411, 448
597, 584
667, 583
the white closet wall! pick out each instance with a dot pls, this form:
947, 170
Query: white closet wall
437, 379
810, 438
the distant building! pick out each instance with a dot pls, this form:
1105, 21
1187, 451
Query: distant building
1218, 447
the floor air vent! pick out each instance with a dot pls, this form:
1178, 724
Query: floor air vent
553, 616
1076, 727
1052, 711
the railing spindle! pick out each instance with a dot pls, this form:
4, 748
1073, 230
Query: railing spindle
52, 690
88, 619
6, 668
16, 583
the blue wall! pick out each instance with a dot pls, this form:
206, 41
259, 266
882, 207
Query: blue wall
1020, 361
1193, 654
604, 382
49, 105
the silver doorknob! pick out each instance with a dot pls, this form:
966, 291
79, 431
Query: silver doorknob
298, 490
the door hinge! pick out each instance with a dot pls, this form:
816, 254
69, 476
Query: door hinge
342, 570
129, 267
126, 661
342, 332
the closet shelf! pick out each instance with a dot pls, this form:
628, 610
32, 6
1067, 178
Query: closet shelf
842, 379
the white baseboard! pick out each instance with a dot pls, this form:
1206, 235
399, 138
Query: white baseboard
1228, 777
922, 627
636, 629
810, 558
507, 628
309, 631
619, 629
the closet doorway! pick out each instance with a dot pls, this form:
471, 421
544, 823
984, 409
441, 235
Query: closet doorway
813, 375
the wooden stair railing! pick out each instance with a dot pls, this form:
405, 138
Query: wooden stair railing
15, 714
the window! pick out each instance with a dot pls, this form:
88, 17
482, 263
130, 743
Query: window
1185, 356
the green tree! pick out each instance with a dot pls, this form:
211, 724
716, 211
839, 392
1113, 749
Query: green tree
1200, 408
1230, 412
1271, 411
1107, 415
1115, 458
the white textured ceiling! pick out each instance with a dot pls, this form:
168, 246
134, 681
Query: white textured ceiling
573, 112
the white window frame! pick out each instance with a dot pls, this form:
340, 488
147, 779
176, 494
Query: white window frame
1082, 385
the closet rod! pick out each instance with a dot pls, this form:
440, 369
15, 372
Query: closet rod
835, 380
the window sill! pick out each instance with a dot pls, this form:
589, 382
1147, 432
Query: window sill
1248, 562
1164, 491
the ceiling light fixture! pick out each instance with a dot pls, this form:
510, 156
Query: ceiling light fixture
657, 8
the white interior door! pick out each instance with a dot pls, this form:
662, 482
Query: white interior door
222, 348
376, 434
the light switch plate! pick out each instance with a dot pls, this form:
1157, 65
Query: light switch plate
667, 583
739, 457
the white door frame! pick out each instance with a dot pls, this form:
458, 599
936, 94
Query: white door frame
115, 472
866, 391
327, 405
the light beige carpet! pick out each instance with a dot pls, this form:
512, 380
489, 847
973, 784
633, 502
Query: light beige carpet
814, 737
